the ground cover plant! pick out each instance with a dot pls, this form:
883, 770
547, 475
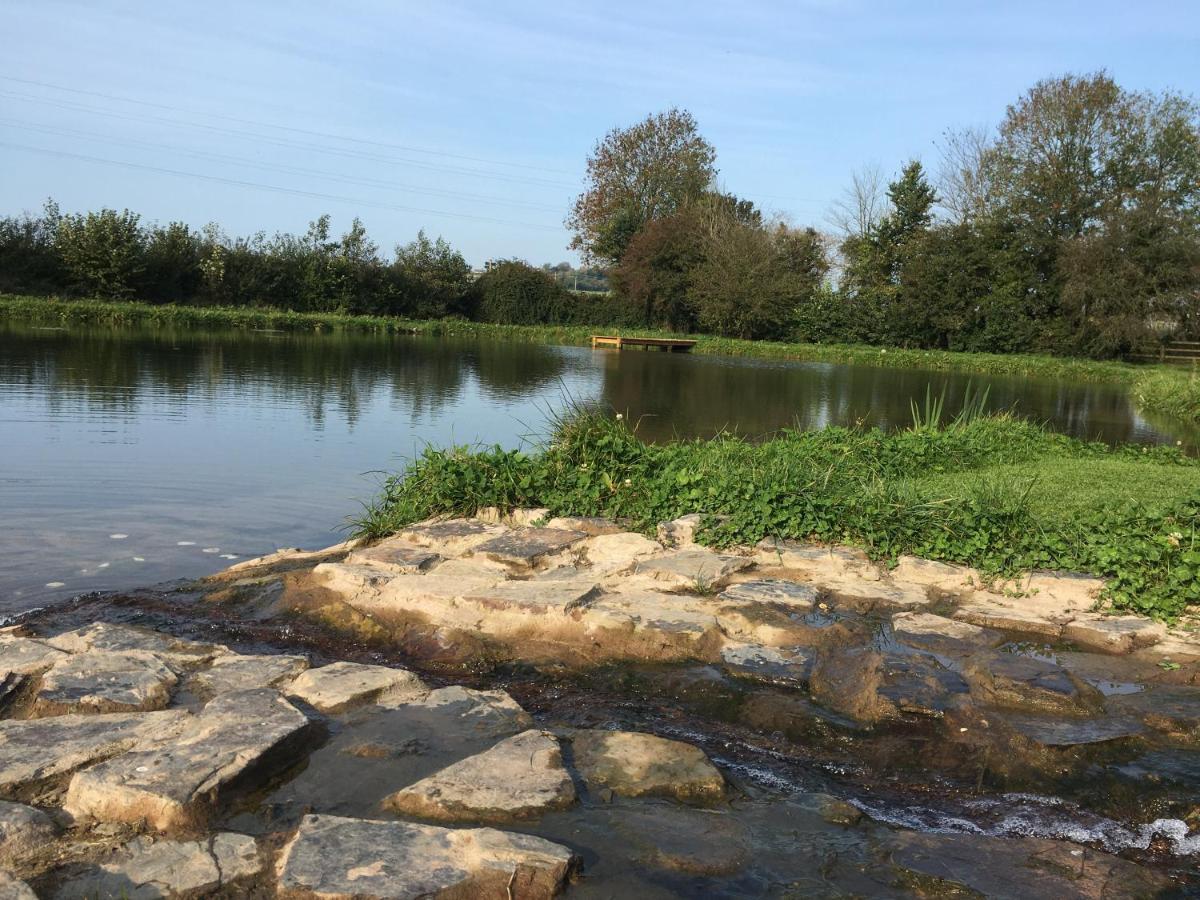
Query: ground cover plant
990, 491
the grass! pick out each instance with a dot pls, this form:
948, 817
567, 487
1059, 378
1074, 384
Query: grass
989, 491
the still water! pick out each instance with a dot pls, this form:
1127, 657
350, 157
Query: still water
128, 457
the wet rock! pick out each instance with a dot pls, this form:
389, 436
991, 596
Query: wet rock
244, 673
238, 737
26, 656
340, 685
100, 681
518, 778
681, 532
1058, 732
920, 684
526, 547
682, 839
633, 764
940, 634
286, 559
838, 812
972, 865
37, 751
592, 525
147, 869
772, 590
665, 622
1113, 634
1171, 709
12, 888
1023, 682
14, 691
451, 537
357, 859
395, 557
22, 829
611, 554
776, 665
869, 686
697, 570
125, 638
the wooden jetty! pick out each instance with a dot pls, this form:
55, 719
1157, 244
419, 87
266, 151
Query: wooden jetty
670, 345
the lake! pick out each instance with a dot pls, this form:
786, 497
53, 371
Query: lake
130, 457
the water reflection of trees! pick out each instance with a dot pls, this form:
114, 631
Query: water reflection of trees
114, 372
701, 396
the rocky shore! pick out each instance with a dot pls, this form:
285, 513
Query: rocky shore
513, 707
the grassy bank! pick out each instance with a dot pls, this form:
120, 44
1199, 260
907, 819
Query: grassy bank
1156, 389
992, 492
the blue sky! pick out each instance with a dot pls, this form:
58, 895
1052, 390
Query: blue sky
473, 120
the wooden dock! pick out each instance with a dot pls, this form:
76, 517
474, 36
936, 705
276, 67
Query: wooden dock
670, 345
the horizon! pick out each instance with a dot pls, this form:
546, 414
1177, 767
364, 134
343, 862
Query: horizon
262, 119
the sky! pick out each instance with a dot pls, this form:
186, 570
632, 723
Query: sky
473, 120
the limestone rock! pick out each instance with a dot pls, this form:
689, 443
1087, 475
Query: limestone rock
22, 829
873, 596
451, 537
12, 888
1113, 634
1054, 731
37, 751
486, 712
1174, 710
928, 573
100, 681
792, 594
593, 525
395, 557
357, 859
681, 532
122, 638
633, 764
661, 619
247, 672
518, 778
289, 558
526, 547
341, 685
676, 838
826, 561
515, 518
178, 782
147, 870
611, 554
699, 570
938, 633
1022, 682
869, 686
26, 656
777, 665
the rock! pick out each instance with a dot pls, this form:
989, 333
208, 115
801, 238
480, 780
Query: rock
1056, 732
288, 558
37, 751
838, 812
1113, 634
697, 570
147, 870
1174, 710
827, 561
100, 681
25, 656
777, 665
1041, 604
593, 525
488, 712
451, 537
357, 859
22, 829
245, 673
395, 557
611, 554
772, 590
632, 764
693, 841
681, 532
341, 685
947, 865
930, 574
657, 625
238, 737
939, 634
12, 888
1023, 682
869, 686
526, 547
122, 638
515, 518
864, 596
518, 778
14, 691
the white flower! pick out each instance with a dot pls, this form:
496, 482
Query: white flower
620, 417
628, 481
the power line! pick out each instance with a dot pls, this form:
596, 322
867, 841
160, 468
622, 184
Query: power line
309, 132
276, 167
270, 187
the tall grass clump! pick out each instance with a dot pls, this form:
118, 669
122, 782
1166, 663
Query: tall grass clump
863, 487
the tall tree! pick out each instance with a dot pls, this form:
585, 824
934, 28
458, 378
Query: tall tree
636, 175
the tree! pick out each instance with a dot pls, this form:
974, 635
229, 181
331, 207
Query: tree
102, 252
172, 264
654, 272
856, 213
512, 292
966, 182
436, 276
636, 175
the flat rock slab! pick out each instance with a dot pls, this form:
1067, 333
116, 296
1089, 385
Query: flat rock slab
865, 596
22, 829
26, 656
341, 685
1059, 732
1029, 614
633, 764
35, 751
681, 839
519, 778
938, 633
246, 734
526, 547
452, 537
795, 555
699, 570
148, 870
1173, 709
776, 665
538, 597
1023, 682
773, 590
12, 888
673, 616
104, 681
593, 525
398, 558
120, 638
245, 673
1113, 634
612, 554
357, 859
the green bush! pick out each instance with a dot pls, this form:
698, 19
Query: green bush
514, 293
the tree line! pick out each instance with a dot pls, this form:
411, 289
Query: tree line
1071, 227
